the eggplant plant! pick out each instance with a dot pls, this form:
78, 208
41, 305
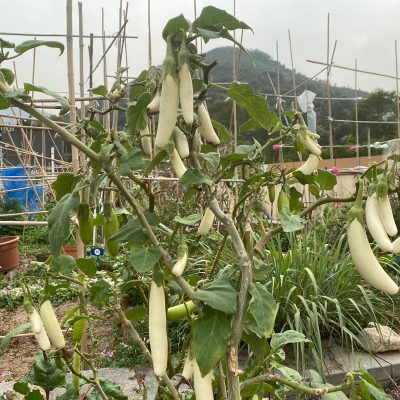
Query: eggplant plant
223, 308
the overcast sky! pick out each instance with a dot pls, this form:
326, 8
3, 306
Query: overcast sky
364, 29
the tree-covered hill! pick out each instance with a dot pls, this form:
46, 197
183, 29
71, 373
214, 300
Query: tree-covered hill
257, 76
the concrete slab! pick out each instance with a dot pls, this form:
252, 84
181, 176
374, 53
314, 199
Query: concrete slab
132, 382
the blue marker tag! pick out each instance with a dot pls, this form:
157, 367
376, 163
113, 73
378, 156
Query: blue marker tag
96, 251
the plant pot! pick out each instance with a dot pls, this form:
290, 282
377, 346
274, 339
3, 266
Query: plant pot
9, 256
71, 251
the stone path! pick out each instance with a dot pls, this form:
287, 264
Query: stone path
338, 360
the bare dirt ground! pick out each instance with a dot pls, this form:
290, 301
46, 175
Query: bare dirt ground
18, 358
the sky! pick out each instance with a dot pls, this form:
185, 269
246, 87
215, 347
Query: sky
365, 30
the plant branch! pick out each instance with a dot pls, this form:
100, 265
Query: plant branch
150, 234
272, 232
347, 384
143, 185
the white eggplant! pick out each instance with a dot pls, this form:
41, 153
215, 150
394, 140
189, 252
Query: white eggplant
375, 225
168, 111
186, 93
386, 214
188, 367
202, 385
177, 164
181, 143
365, 260
51, 325
43, 340
205, 126
145, 139
154, 105
179, 266
206, 222
158, 329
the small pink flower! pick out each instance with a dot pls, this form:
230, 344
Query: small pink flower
110, 354
335, 170
339, 204
276, 146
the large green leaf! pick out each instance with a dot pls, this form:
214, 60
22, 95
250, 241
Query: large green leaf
174, 25
112, 390
211, 158
87, 266
5, 44
279, 340
210, 335
263, 307
28, 87
46, 374
325, 180
194, 177
219, 295
8, 75
4, 103
291, 222
31, 44
59, 221
131, 161
157, 159
100, 90
63, 184
144, 258
132, 231
189, 219
374, 392
99, 292
136, 115
7, 338
222, 132
255, 105
317, 382
217, 18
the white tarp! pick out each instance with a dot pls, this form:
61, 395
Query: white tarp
306, 105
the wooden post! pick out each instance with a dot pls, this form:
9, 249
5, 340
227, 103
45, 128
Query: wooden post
397, 91
81, 80
369, 146
72, 114
356, 113
278, 93
328, 89
106, 117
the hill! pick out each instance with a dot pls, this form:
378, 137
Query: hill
257, 76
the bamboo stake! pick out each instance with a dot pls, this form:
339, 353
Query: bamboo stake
369, 146
71, 85
119, 60
149, 56
328, 87
397, 90
356, 114
81, 79
106, 117
293, 71
62, 35
278, 92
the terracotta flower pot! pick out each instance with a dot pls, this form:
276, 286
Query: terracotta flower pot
71, 251
9, 256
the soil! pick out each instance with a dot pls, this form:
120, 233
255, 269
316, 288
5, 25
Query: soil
19, 356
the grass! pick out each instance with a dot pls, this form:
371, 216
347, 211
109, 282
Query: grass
321, 294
